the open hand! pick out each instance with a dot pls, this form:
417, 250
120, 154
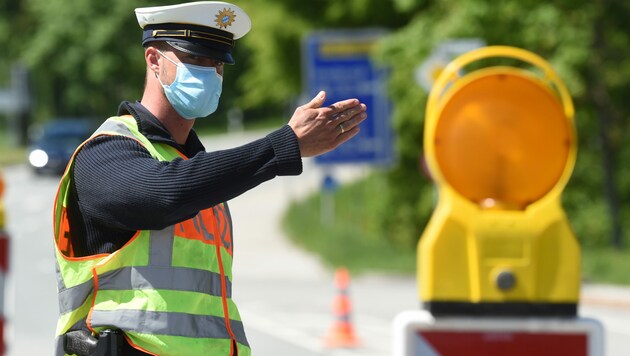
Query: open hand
321, 129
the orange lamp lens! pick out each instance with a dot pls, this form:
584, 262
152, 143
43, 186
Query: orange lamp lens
503, 141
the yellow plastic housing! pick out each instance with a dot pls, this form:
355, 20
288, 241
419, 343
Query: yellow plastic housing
500, 143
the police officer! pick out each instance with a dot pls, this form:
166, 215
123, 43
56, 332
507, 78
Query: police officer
142, 231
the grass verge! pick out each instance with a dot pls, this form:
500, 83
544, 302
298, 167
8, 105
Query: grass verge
9, 156
353, 240
606, 265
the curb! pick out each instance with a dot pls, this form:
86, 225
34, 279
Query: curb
611, 296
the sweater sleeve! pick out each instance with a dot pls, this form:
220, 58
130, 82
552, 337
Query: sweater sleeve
119, 184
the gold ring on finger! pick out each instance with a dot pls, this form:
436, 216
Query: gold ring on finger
342, 129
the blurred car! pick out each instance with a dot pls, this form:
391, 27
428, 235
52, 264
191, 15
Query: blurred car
53, 143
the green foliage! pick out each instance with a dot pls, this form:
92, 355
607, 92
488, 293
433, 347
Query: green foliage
82, 55
352, 239
273, 65
273, 68
85, 57
605, 265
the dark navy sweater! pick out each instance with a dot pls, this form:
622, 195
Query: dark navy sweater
118, 188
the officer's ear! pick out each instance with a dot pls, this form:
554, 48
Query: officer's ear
151, 56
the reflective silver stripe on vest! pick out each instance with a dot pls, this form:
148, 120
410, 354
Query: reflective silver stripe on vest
229, 220
168, 323
171, 278
161, 252
161, 247
166, 276
115, 126
60, 284
223, 229
74, 297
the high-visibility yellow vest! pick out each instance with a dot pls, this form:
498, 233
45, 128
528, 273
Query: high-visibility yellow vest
169, 291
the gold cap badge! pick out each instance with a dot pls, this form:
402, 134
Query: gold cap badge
225, 18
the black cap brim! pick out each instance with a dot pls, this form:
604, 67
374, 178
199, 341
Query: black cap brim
202, 51
197, 40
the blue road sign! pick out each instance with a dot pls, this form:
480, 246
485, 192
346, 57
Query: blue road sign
339, 63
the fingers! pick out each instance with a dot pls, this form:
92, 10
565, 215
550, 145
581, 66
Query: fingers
317, 101
345, 126
344, 105
347, 135
318, 133
347, 108
349, 113
321, 129
348, 119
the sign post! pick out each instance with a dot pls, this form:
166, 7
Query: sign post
339, 63
16, 103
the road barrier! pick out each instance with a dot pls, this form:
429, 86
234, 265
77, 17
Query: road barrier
498, 262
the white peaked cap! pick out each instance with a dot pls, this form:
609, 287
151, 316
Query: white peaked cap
206, 28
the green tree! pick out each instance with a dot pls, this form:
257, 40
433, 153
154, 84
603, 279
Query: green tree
273, 72
85, 57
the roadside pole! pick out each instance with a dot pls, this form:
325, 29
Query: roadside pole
15, 102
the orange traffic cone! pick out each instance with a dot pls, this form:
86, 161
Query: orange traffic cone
342, 333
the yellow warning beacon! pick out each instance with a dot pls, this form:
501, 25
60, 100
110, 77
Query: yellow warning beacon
500, 143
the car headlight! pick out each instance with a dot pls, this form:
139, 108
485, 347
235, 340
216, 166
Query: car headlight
38, 158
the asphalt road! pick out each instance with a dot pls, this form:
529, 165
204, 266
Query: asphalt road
285, 295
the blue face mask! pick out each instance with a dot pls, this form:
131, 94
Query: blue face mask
196, 90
